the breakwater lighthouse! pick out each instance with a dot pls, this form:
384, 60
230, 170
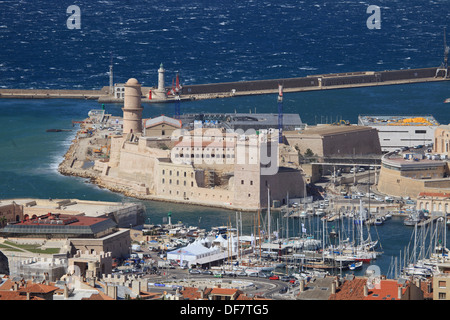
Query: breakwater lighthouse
132, 109
161, 84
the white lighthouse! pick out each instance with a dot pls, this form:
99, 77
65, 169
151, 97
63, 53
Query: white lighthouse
161, 86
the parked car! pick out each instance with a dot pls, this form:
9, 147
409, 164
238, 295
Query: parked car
283, 290
274, 277
194, 271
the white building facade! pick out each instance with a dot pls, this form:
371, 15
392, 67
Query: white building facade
397, 132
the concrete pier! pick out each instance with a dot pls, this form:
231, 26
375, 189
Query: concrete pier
49, 93
241, 88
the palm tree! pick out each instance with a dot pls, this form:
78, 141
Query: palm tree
2, 221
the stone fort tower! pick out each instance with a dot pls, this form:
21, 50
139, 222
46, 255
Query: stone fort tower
132, 109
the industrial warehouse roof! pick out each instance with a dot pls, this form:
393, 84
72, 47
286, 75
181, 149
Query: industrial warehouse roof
245, 121
412, 120
59, 224
264, 119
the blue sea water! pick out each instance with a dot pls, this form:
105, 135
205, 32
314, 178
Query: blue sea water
210, 40
205, 41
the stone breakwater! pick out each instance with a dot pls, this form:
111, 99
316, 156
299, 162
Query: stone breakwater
49, 93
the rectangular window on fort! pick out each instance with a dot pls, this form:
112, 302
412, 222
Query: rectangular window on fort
242, 181
421, 131
251, 183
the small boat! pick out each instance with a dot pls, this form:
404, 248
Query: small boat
355, 265
379, 221
447, 100
319, 212
414, 218
56, 130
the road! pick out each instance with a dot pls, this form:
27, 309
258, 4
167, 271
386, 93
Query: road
250, 285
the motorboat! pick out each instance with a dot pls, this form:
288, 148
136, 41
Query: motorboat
355, 265
379, 221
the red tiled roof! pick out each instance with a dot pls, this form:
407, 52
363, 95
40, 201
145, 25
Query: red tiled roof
385, 290
14, 295
434, 194
63, 218
98, 296
224, 291
350, 290
38, 288
388, 290
192, 293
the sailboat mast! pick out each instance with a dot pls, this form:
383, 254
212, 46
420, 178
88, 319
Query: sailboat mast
361, 220
259, 233
323, 240
415, 242
240, 243
237, 234
268, 216
445, 233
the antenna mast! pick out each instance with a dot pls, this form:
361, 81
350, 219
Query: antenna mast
111, 84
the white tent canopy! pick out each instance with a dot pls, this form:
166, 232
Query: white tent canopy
197, 253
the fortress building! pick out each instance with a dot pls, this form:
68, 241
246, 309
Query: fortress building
418, 170
207, 166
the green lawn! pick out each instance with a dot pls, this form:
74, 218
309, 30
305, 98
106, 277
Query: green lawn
32, 248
